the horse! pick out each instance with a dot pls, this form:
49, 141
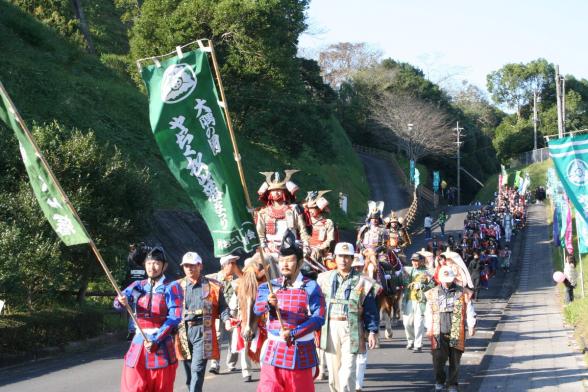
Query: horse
384, 272
251, 329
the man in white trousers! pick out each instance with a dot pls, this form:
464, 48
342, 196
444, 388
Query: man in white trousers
416, 281
351, 313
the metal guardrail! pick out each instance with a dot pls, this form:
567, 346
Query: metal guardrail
533, 156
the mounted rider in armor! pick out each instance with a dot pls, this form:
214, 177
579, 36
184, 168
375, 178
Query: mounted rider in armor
279, 214
373, 236
322, 231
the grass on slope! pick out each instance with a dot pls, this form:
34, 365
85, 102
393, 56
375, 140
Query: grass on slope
537, 173
345, 174
51, 79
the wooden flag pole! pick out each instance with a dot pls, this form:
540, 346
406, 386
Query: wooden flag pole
225, 106
69, 204
579, 257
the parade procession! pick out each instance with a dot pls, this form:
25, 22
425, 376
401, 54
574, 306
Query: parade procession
292, 196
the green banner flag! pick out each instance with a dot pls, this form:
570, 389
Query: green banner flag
504, 176
518, 178
417, 177
46, 188
570, 158
582, 233
192, 134
436, 180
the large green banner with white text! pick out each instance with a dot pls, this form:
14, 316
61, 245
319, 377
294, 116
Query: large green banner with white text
191, 131
46, 190
570, 158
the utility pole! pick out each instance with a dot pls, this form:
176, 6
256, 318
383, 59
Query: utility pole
535, 119
560, 88
458, 142
563, 105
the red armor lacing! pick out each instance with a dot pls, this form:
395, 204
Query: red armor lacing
278, 212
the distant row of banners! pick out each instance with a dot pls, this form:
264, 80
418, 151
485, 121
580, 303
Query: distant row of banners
415, 177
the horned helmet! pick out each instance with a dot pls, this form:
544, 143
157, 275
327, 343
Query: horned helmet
274, 181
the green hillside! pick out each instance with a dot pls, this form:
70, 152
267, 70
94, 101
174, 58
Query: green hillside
50, 78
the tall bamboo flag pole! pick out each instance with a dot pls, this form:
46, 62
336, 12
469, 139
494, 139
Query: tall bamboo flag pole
225, 106
69, 204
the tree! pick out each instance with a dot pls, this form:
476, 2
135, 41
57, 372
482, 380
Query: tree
513, 84
83, 24
513, 136
473, 103
111, 197
130, 10
339, 61
421, 129
273, 95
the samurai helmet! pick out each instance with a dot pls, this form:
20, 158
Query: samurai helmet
274, 181
393, 218
290, 245
375, 210
315, 199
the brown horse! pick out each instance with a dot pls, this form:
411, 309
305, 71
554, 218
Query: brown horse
388, 301
253, 276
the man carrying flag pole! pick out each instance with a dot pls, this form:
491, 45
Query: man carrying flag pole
193, 129
52, 199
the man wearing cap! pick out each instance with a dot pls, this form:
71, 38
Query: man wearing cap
290, 354
278, 214
416, 281
351, 314
449, 310
150, 365
359, 265
229, 272
204, 302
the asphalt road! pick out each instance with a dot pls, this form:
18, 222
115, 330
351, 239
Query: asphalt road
384, 185
390, 368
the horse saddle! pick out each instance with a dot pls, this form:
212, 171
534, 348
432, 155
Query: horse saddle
387, 277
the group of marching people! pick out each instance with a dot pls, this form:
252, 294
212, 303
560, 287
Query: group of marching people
314, 305
319, 311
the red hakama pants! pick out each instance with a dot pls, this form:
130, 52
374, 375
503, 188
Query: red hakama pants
141, 379
275, 379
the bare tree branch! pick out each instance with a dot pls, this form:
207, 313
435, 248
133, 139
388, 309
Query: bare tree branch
421, 129
339, 61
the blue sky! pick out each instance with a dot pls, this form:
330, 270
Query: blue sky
457, 38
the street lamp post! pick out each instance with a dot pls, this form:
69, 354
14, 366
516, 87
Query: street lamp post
458, 142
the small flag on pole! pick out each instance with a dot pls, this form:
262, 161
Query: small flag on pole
53, 202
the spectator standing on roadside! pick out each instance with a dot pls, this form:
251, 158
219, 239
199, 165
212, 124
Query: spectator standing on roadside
571, 278
428, 224
442, 219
